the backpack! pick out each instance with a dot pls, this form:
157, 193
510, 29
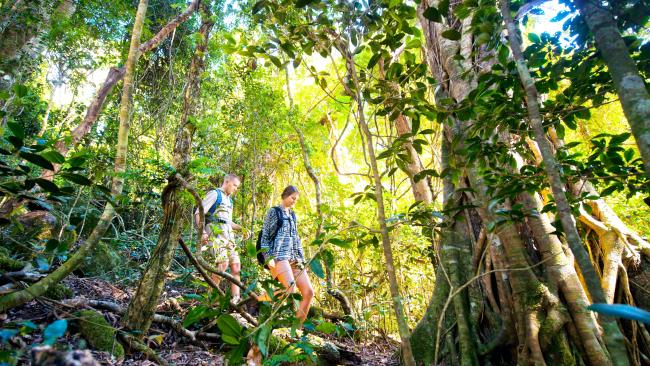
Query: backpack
278, 225
216, 203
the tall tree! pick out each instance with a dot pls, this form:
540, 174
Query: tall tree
629, 83
145, 300
40, 287
612, 334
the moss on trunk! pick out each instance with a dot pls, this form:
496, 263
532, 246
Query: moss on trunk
99, 334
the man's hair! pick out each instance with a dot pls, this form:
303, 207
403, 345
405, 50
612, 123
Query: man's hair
230, 177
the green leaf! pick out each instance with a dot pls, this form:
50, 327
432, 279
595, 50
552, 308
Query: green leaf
276, 61
451, 34
258, 6
619, 139
317, 267
20, 90
54, 331
504, 52
18, 143
432, 14
262, 337
76, 161
534, 38
77, 178
303, 3
47, 185
229, 326
230, 339
340, 243
373, 60
53, 156
236, 356
197, 313
16, 129
36, 160
326, 327
51, 245
609, 190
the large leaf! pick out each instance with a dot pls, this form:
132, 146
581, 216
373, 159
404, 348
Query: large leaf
262, 337
54, 331
451, 34
196, 314
76, 178
432, 14
53, 156
16, 129
47, 185
317, 267
340, 243
36, 160
229, 326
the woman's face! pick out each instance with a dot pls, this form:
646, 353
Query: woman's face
290, 201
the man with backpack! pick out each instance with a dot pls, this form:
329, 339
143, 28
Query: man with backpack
217, 239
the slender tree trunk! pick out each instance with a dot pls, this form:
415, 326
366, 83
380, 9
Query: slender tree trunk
421, 189
40, 287
305, 158
143, 304
613, 336
407, 353
625, 74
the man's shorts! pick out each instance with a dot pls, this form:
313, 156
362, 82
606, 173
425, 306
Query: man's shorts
220, 246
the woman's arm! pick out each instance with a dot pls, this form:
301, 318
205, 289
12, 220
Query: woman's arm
270, 222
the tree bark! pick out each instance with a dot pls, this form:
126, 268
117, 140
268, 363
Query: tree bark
628, 81
39, 288
143, 303
613, 336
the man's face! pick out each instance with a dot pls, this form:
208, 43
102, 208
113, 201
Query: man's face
231, 186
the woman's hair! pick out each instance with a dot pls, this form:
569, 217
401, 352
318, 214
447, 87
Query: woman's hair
289, 191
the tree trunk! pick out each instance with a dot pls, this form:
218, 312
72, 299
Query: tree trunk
613, 336
625, 74
39, 288
407, 353
143, 303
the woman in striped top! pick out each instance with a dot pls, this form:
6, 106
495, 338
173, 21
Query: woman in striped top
284, 253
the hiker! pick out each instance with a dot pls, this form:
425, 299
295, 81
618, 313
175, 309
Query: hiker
282, 250
217, 239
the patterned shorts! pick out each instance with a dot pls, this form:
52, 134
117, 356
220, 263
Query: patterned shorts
220, 246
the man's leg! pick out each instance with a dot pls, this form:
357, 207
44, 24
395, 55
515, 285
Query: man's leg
222, 266
235, 269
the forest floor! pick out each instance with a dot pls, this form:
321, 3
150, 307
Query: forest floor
174, 348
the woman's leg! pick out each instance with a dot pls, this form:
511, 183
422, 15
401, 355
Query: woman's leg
306, 291
282, 272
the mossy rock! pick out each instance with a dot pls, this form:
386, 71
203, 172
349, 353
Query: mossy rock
99, 334
8, 264
59, 292
102, 261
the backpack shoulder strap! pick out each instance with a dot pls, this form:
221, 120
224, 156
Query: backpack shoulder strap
216, 203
